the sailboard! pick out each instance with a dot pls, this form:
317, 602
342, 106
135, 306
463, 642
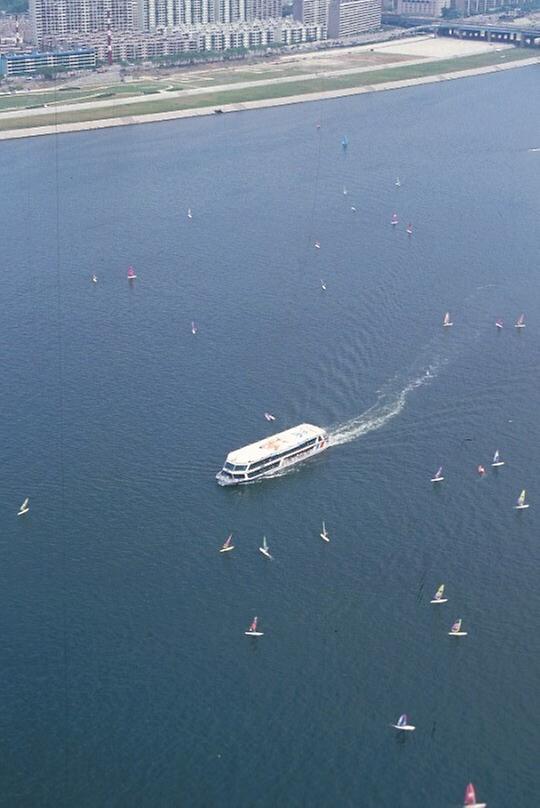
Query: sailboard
521, 504
470, 798
447, 321
499, 323
438, 596
520, 322
227, 544
264, 549
456, 631
395, 219
324, 534
194, 328
402, 723
24, 507
497, 459
252, 630
438, 476
131, 274
269, 416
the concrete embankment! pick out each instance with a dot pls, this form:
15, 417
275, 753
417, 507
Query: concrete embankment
130, 120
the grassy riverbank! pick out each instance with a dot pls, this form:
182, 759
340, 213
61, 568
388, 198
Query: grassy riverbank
262, 91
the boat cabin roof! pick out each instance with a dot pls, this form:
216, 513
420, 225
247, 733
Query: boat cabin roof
280, 442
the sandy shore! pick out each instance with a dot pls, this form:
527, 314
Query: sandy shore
37, 131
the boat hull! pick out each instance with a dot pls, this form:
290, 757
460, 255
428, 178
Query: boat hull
254, 633
226, 549
406, 728
284, 464
520, 507
443, 600
437, 479
265, 553
457, 633
496, 465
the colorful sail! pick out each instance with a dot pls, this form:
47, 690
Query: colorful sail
456, 627
439, 593
253, 626
131, 273
470, 795
227, 542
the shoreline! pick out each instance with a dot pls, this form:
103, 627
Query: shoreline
155, 117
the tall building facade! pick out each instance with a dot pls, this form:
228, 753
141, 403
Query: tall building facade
61, 17
155, 15
311, 12
350, 17
422, 8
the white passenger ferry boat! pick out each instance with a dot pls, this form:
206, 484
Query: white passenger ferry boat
269, 456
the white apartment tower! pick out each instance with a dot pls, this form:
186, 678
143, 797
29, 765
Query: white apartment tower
62, 17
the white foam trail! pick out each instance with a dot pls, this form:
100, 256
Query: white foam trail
389, 404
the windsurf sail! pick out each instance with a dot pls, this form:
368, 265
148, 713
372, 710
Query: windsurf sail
520, 323
456, 627
131, 273
521, 498
253, 626
496, 456
470, 795
227, 542
447, 320
402, 721
269, 416
395, 219
439, 593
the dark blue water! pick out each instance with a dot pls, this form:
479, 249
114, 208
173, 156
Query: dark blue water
126, 677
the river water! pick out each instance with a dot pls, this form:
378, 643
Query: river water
126, 677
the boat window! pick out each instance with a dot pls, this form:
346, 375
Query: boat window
240, 468
293, 450
251, 474
228, 465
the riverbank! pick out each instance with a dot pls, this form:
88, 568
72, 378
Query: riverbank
265, 92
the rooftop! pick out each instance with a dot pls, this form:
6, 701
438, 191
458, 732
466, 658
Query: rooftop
274, 444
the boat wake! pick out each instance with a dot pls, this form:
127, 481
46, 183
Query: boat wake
390, 403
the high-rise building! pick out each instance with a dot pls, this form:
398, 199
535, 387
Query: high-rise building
421, 8
168, 14
60, 17
350, 17
311, 12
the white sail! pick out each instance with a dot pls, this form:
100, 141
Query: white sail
497, 459
24, 507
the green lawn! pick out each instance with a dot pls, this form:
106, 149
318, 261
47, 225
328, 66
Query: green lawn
165, 103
